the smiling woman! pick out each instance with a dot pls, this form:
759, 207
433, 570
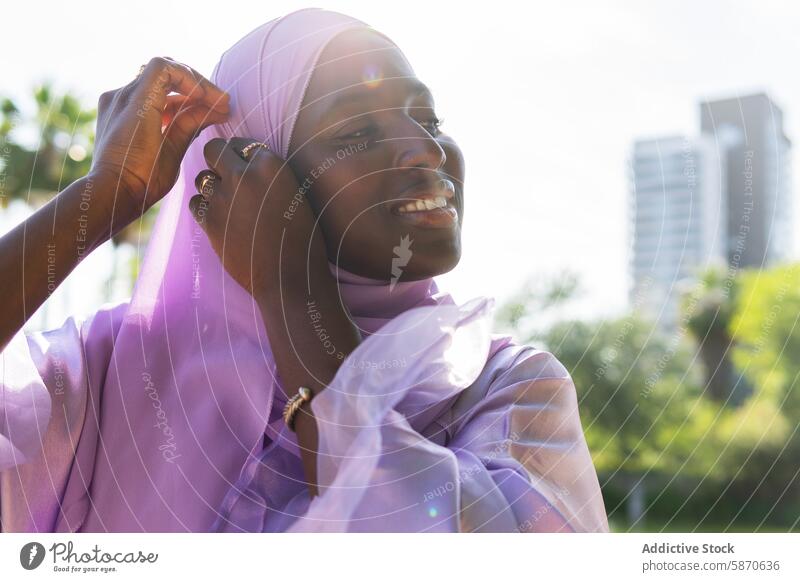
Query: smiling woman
408, 175
286, 362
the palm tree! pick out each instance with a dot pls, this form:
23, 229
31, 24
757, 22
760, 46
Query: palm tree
65, 131
708, 309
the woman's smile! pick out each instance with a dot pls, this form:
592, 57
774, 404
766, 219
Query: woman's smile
428, 205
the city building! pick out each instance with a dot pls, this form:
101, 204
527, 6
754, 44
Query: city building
757, 182
679, 220
721, 198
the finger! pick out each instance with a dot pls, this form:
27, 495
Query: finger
260, 157
239, 143
161, 76
176, 100
209, 87
223, 158
198, 206
198, 181
187, 124
197, 79
260, 154
175, 103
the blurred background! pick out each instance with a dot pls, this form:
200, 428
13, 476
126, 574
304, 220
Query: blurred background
630, 199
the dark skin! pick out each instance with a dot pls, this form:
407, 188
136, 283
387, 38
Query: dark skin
394, 153
395, 120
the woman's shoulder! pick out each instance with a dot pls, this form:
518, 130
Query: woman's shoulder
507, 358
512, 367
514, 361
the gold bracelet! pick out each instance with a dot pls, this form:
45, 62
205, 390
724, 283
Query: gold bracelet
293, 405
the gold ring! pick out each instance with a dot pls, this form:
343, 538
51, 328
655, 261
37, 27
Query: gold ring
207, 186
249, 148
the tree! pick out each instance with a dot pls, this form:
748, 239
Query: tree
63, 153
639, 393
765, 324
641, 405
708, 309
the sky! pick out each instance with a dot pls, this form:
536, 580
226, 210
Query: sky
545, 99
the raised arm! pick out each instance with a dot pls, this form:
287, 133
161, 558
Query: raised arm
142, 135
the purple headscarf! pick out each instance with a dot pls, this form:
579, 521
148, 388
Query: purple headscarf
192, 378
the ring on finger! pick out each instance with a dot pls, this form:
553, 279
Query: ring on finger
250, 147
207, 184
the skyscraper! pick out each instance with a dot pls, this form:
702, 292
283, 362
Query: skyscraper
757, 181
679, 219
723, 197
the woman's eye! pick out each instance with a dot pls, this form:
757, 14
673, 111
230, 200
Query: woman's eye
432, 125
357, 134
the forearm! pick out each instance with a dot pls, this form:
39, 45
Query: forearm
310, 334
37, 255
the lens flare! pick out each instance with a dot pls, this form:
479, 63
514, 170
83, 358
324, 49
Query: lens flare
372, 76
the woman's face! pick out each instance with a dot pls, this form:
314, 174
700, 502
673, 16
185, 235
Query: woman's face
365, 144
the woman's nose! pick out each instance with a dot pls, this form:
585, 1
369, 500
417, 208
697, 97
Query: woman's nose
420, 150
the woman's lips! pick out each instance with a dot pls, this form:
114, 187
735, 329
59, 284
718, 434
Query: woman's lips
428, 207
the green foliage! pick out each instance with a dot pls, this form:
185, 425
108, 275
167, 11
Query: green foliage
640, 400
63, 153
653, 406
65, 134
523, 314
766, 327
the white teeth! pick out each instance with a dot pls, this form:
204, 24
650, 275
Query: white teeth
422, 205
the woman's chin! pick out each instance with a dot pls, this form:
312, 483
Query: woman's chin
432, 264
415, 268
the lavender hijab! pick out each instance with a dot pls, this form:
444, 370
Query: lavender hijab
193, 341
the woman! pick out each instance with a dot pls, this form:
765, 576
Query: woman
286, 361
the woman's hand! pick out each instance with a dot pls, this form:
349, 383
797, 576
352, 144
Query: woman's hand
264, 231
257, 218
143, 131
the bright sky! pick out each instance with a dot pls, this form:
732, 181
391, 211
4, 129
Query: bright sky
544, 99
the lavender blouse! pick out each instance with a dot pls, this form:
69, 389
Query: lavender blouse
467, 431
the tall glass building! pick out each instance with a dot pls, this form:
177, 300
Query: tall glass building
679, 220
721, 198
757, 182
